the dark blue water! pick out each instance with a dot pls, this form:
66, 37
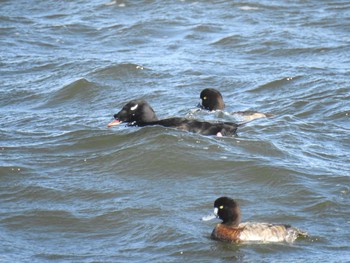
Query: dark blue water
72, 190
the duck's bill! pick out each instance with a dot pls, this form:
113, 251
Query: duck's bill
114, 123
209, 217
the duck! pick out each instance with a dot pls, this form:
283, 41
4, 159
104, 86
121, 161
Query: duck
212, 100
232, 230
140, 113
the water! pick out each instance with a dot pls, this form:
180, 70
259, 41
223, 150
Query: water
74, 191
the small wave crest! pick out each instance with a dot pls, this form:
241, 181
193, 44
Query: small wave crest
119, 70
80, 90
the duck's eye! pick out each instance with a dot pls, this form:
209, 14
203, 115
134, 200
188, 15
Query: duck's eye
134, 107
204, 98
221, 207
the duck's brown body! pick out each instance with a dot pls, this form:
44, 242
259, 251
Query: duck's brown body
232, 230
258, 232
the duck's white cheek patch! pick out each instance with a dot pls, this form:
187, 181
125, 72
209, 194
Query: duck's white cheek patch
134, 107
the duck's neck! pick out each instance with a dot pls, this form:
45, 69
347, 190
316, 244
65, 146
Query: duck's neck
234, 221
148, 118
147, 123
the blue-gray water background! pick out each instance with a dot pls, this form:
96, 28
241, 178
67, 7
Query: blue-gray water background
72, 190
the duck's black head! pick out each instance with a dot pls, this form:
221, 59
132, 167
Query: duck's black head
135, 112
211, 100
228, 211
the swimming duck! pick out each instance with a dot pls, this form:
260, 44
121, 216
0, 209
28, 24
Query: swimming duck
211, 99
232, 230
140, 113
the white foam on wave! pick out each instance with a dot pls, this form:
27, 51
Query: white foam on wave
248, 8
115, 2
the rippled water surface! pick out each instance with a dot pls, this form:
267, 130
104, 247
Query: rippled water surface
72, 190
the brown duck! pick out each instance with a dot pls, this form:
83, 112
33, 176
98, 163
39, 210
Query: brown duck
231, 230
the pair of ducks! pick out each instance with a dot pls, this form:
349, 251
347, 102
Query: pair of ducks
140, 113
231, 229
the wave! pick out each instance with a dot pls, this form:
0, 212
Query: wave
79, 91
120, 70
233, 40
